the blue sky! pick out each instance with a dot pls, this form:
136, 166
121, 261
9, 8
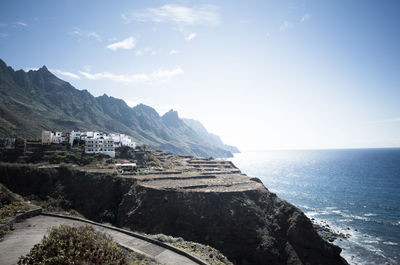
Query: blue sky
261, 74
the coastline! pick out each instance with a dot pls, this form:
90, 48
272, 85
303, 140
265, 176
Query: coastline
347, 192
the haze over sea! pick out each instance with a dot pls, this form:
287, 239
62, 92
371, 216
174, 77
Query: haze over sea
356, 191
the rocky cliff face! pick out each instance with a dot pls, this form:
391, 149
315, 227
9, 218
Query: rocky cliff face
212, 202
249, 227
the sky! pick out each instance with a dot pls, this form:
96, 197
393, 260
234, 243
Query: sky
260, 74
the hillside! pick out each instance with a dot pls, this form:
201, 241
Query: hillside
38, 100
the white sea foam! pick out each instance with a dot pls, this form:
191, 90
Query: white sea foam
356, 239
395, 223
346, 220
330, 208
307, 207
370, 214
390, 243
375, 250
345, 215
371, 241
311, 214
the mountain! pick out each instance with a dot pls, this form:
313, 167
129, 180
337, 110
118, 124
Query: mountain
209, 137
38, 100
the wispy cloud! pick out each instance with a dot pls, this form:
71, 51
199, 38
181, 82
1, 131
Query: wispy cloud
126, 44
305, 17
202, 15
285, 26
159, 76
191, 36
17, 24
172, 52
66, 74
3, 35
85, 33
22, 24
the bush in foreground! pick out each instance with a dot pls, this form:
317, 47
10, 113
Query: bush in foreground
75, 245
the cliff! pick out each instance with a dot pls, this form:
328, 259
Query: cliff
202, 200
214, 203
249, 227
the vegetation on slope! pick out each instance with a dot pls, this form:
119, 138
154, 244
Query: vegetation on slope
10, 205
204, 252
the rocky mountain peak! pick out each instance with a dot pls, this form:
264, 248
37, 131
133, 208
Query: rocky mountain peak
171, 118
43, 69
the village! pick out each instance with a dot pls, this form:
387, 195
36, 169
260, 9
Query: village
100, 152
95, 142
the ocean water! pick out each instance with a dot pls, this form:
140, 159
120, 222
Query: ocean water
355, 191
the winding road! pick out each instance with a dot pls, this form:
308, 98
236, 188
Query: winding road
31, 231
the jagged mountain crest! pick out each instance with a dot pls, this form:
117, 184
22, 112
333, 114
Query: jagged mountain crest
38, 100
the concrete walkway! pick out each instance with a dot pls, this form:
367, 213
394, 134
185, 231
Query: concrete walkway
31, 231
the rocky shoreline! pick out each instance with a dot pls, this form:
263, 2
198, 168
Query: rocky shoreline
327, 232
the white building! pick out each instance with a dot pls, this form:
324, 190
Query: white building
126, 168
74, 136
58, 138
47, 137
103, 145
122, 140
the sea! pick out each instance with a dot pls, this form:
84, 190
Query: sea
354, 191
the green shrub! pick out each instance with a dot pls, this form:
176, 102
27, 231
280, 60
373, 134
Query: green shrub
67, 245
10, 203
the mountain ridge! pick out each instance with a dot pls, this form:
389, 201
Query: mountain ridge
38, 100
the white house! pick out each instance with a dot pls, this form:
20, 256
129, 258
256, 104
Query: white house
103, 145
57, 138
74, 136
47, 137
122, 140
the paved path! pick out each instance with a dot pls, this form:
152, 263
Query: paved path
31, 231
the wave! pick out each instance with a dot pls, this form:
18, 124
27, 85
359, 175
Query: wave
371, 241
370, 214
311, 214
390, 243
305, 207
330, 208
357, 240
345, 215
